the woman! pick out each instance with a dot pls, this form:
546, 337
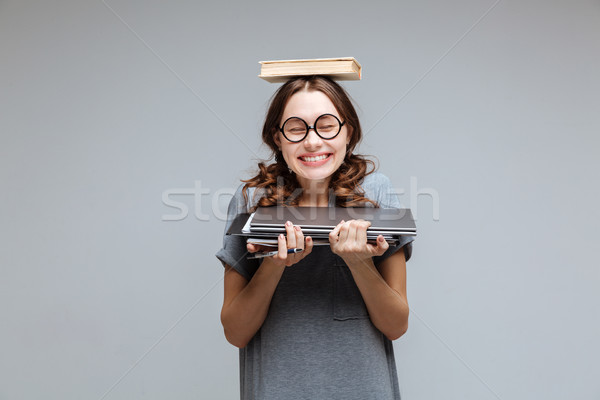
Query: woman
316, 324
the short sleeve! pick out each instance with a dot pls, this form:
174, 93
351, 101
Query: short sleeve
379, 188
234, 251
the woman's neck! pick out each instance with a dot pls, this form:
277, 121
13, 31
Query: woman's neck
315, 193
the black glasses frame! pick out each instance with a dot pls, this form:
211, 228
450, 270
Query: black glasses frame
313, 127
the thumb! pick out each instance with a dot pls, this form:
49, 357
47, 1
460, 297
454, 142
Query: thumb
382, 246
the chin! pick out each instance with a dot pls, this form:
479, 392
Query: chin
315, 174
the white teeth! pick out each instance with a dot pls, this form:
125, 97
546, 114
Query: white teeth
313, 159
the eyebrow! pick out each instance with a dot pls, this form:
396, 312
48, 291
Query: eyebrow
283, 118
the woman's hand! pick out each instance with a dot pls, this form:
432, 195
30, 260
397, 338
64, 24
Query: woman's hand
349, 241
292, 239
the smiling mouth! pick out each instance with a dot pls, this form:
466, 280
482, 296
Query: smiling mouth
315, 159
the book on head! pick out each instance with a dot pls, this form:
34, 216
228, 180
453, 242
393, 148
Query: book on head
341, 69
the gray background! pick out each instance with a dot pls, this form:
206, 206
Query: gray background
490, 106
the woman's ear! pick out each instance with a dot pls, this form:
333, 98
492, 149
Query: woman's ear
348, 136
277, 140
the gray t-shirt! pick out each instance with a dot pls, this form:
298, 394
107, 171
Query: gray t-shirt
317, 341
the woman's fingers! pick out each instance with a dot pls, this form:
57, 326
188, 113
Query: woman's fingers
253, 248
352, 240
299, 237
343, 236
299, 243
333, 235
361, 231
294, 238
382, 246
353, 227
281, 247
291, 235
350, 235
308, 246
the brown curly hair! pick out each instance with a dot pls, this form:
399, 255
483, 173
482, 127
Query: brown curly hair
279, 183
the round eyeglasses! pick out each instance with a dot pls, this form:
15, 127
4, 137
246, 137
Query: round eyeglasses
327, 126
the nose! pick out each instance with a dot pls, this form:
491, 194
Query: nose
312, 140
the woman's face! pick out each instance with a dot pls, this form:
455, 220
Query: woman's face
313, 158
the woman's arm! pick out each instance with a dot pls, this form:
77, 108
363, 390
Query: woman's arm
383, 290
246, 303
384, 293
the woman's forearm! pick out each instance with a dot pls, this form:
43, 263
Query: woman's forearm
243, 315
387, 308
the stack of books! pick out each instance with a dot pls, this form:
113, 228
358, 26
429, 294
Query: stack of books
264, 226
